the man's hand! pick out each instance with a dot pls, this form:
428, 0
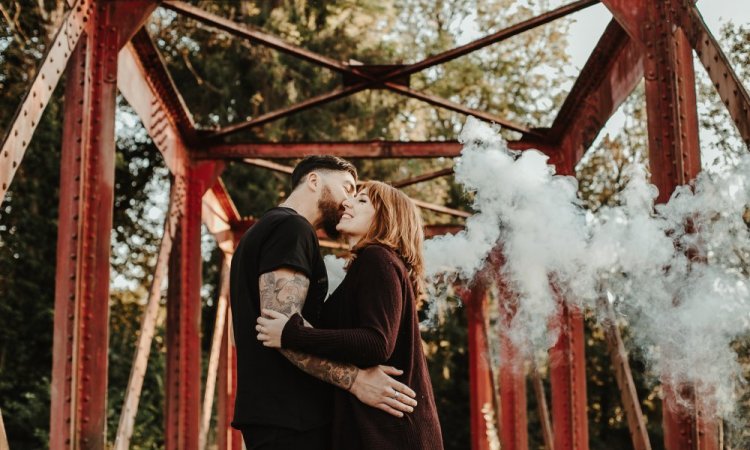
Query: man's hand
374, 387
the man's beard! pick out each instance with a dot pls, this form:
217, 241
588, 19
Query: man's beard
330, 213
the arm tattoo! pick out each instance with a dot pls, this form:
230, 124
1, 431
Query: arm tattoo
286, 294
332, 372
283, 294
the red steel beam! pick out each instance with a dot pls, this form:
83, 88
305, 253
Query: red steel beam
221, 217
440, 230
67, 275
161, 81
29, 113
481, 396
674, 153
225, 200
270, 165
370, 80
611, 73
512, 380
434, 100
151, 98
568, 381
79, 385
351, 149
731, 90
441, 209
421, 204
280, 45
183, 385
629, 14
345, 92
674, 156
423, 177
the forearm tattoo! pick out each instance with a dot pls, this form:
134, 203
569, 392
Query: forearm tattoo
338, 374
286, 294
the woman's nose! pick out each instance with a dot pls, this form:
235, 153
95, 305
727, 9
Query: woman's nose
347, 203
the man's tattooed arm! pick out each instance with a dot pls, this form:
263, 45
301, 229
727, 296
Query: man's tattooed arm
284, 290
335, 373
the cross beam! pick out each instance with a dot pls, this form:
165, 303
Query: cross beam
351, 149
370, 81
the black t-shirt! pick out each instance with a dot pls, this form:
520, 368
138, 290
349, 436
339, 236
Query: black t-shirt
270, 389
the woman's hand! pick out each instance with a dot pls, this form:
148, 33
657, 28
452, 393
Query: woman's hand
270, 326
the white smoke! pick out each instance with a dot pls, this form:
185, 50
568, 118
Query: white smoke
677, 272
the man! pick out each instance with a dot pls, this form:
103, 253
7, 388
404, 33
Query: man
277, 265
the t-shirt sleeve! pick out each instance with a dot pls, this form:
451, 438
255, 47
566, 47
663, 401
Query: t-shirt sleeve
292, 245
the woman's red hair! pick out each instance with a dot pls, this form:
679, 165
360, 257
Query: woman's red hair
397, 225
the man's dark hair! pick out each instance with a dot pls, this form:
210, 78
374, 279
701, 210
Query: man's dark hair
321, 162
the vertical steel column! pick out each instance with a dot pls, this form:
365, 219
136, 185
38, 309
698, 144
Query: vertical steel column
674, 152
568, 381
480, 373
79, 385
63, 345
512, 383
228, 437
183, 317
568, 356
674, 157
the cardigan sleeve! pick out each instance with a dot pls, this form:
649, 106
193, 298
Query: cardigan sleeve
379, 304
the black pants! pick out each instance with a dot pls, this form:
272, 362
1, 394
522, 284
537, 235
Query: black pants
258, 437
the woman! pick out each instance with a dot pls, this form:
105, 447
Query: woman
371, 319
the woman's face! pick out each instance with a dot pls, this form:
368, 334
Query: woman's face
359, 214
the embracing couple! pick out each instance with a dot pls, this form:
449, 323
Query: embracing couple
347, 372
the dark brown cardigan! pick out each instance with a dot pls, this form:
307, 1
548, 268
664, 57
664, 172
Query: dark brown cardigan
371, 319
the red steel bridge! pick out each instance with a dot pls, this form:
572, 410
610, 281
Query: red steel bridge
102, 46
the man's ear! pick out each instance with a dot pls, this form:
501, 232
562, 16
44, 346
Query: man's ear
313, 181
